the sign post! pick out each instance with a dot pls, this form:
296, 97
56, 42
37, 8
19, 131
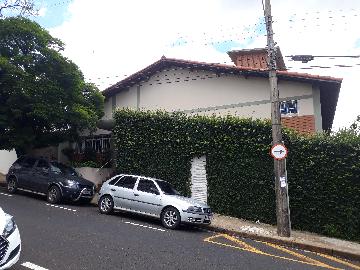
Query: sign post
282, 197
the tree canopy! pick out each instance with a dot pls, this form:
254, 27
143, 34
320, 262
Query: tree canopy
43, 96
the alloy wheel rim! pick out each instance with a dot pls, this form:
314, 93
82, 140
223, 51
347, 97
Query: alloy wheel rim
11, 185
105, 204
170, 218
52, 194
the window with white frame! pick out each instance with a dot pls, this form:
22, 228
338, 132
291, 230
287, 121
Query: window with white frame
98, 144
289, 107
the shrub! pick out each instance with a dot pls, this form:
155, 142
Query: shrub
323, 170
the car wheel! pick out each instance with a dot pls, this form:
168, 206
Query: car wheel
11, 185
54, 195
106, 205
170, 218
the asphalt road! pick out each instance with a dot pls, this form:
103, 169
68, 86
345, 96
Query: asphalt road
78, 237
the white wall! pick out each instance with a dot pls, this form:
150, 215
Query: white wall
124, 99
7, 158
204, 92
95, 175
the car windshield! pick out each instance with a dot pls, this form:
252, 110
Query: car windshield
59, 168
167, 188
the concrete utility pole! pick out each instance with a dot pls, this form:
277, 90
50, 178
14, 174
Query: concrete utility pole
281, 187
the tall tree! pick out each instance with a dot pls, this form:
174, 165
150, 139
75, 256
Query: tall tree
17, 7
43, 96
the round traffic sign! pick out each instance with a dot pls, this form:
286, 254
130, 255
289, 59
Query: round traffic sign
279, 151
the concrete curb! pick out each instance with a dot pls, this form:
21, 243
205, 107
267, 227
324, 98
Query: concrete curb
293, 243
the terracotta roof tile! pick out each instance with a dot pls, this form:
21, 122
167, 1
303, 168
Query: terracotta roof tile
158, 65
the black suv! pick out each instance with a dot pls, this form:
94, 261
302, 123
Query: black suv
53, 179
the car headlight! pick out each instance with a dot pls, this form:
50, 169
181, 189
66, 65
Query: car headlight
10, 226
194, 209
71, 183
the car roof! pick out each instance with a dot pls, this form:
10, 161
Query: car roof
147, 177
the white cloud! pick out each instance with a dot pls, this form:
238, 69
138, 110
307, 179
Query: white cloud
114, 38
42, 12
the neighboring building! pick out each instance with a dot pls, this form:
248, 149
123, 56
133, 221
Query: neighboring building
7, 158
308, 101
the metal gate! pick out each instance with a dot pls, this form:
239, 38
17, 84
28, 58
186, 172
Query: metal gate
198, 179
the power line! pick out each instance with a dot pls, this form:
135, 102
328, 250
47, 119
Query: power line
304, 58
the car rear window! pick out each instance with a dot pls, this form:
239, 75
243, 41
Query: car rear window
167, 188
42, 164
20, 160
112, 182
28, 162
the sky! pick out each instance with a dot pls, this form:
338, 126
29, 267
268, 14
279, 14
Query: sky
112, 39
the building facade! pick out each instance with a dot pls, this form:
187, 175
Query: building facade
308, 102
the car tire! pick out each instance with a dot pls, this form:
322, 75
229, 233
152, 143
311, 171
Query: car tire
170, 218
53, 195
106, 205
11, 185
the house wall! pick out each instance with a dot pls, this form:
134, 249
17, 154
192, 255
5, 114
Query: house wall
7, 158
207, 93
95, 175
124, 99
202, 92
317, 108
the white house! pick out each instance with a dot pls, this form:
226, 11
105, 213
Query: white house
308, 101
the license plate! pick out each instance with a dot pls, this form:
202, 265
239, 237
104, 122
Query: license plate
87, 192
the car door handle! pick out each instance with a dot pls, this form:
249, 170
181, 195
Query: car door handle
136, 194
113, 189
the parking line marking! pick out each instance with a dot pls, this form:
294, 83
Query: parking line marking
249, 248
9, 195
243, 244
61, 207
144, 226
338, 260
305, 258
32, 266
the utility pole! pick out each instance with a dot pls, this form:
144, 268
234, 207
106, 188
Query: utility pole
281, 187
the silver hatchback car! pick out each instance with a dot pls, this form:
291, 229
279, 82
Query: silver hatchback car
152, 197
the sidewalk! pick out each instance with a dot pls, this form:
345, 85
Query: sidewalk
299, 239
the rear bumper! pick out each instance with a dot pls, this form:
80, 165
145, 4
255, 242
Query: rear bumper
12, 254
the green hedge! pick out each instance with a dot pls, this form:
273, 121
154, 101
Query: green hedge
323, 171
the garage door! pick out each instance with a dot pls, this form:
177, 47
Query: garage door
198, 179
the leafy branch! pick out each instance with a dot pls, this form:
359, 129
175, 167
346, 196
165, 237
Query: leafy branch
18, 7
